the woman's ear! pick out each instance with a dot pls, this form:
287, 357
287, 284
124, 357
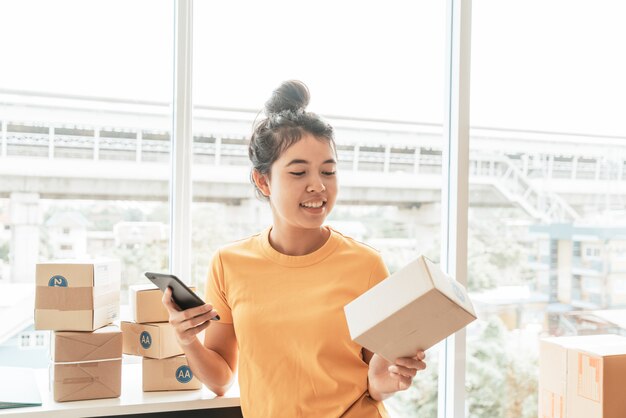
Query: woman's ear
262, 182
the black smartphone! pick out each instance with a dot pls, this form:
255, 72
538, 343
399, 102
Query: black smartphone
184, 297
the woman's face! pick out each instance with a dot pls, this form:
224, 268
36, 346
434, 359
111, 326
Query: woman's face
302, 186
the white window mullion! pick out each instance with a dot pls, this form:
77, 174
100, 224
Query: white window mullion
454, 200
181, 145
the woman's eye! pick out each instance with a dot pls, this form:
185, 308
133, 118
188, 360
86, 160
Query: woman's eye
297, 173
329, 173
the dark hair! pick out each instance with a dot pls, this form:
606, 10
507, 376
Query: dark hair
285, 122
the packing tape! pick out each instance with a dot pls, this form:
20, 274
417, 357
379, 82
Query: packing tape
64, 298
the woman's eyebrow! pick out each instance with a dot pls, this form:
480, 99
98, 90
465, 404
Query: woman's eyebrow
292, 162
299, 161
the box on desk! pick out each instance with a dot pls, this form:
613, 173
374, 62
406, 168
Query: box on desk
77, 295
86, 365
412, 309
168, 374
146, 305
582, 377
156, 340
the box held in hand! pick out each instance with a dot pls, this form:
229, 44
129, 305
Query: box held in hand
414, 308
168, 374
86, 365
156, 340
77, 295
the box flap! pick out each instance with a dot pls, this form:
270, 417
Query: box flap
57, 274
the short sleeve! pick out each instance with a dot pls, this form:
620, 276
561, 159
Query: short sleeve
216, 294
378, 272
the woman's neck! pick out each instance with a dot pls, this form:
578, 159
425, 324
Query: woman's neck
297, 241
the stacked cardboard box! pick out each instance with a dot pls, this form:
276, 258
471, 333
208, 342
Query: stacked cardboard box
582, 377
151, 336
87, 365
76, 299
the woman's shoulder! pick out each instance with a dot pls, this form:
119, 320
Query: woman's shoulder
242, 246
354, 244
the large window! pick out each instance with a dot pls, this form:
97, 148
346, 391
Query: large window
84, 147
376, 73
86, 131
548, 147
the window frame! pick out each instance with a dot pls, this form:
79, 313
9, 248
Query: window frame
455, 170
182, 143
455, 195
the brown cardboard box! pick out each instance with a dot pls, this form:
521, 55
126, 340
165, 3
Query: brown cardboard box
86, 365
582, 377
77, 295
156, 340
146, 305
168, 374
412, 309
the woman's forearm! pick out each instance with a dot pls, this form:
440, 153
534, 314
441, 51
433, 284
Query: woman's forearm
209, 366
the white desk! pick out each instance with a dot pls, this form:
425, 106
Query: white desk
132, 401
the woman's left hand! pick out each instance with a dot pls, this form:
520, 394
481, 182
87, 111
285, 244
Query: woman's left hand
386, 378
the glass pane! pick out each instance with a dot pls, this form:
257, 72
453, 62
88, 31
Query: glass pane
84, 147
376, 74
548, 142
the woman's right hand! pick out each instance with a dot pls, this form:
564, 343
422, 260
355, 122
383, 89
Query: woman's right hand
190, 322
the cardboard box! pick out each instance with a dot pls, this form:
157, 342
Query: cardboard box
582, 377
156, 340
412, 309
77, 295
146, 305
86, 365
168, 374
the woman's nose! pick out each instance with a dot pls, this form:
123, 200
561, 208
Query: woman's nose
316, 185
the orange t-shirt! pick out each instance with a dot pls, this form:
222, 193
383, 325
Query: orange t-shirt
296, 357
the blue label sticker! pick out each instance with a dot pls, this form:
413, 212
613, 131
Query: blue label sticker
183, 374
457, 290
145, 339
57, 281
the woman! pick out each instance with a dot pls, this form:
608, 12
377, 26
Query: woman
281, 293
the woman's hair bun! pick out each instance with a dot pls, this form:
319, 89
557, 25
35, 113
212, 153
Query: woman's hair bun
291, 95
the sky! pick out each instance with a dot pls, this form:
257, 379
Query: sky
554, 65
